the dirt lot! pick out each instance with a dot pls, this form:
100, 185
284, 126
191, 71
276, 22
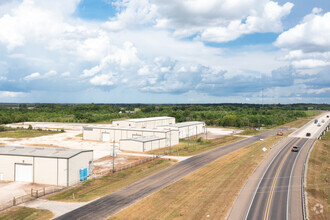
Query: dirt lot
9, 190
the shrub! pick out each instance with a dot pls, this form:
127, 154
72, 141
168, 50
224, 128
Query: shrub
30, 127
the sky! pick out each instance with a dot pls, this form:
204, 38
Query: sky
165, 51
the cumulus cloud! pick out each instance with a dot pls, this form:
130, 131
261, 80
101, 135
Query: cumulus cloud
9, 94
32, 76
211, 20
308, 43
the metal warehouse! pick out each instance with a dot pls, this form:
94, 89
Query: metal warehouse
189, 128
152, 122
54, 166
117, 134
142, 144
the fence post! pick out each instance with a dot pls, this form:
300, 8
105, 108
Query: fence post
14, 201
44, 191
37, 193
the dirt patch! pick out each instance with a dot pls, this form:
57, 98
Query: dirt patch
104, 164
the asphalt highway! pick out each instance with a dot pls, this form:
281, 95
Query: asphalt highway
114, 202
270, 201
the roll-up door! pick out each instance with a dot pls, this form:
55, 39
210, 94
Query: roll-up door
23, 172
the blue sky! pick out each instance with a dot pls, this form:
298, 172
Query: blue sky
164, 51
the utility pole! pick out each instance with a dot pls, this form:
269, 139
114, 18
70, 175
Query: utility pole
113, 156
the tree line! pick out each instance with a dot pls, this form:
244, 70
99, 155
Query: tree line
232, 115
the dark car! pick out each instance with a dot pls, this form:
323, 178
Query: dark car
295, 149
308, 134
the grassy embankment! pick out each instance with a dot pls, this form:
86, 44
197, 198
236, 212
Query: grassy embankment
98, 187
25, 213
318, 175
210, 190
193, 146
24, 133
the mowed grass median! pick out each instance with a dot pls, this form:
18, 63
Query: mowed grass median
193, 146
98, 187
318, 175
207, 192
19, 213
24, 133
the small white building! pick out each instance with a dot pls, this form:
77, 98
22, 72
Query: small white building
148, 123
188, 129
142, 144
109, 133
53, 166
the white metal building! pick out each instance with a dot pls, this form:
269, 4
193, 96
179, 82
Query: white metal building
148, 123
108, 133
188, 129
142, 144
53, 166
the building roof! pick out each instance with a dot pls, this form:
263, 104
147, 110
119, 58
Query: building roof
144, 139
147, 119
184, 124
127, 129
49, 152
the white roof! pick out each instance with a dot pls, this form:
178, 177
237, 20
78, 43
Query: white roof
40, 151
184, 124
144, 139
127, 129
147, 119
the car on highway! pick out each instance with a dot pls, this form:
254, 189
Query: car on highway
327, 116
308, 134
295, 149
318, 125
322, 121
315, 121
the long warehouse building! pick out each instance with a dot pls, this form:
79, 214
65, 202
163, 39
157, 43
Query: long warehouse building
148, 123
53, 166
109, 134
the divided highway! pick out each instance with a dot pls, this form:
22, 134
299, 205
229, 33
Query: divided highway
114, 202
270, 201
274, 190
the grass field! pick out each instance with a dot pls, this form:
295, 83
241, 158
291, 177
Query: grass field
97, 187
18, 213
318, 175
209, 191
25, 133
193, 146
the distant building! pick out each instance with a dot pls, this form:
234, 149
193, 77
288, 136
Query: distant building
143, 134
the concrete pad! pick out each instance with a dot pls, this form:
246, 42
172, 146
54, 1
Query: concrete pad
58, 208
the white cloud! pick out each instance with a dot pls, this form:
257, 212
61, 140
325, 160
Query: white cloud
318, 91
9, 94
104, 80
32, 76
308, 43
210, 20
312, 35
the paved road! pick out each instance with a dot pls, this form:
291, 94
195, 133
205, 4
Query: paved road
270, 201
274, 190
112, 203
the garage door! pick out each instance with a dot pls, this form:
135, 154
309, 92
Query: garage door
23, 172
106, 137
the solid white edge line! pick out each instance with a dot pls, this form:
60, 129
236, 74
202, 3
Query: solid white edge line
289, 185
271, 162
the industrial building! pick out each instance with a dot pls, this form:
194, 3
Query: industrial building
143, 134
108, 133
142, 144
150, 123
188, 129
53, 166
